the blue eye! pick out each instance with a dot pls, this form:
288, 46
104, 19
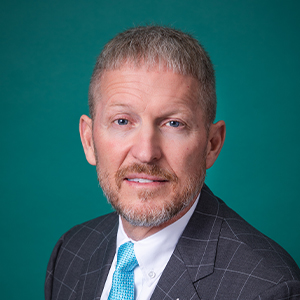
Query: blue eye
122, 121
174, 123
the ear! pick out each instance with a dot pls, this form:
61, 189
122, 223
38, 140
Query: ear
86, 136
216, 138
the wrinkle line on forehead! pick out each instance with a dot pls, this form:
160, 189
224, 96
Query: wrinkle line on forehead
119, 104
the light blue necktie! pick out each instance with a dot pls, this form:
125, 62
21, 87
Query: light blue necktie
123, 279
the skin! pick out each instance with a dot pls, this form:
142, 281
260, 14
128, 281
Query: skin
149, 117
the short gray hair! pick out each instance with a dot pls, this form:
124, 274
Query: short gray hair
163, 47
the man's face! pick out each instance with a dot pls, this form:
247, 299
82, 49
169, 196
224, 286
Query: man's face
149, 143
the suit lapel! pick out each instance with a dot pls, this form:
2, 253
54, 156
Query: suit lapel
175, 282
95, 269
194, 255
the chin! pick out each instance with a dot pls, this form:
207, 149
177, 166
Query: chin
149, 212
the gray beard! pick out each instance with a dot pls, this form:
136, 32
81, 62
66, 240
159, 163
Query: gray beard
152, 216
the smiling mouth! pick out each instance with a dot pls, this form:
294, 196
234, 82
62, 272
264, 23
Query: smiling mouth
143, 180
144, 175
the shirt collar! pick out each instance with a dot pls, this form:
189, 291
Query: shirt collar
154, 252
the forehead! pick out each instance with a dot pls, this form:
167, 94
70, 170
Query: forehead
143, 82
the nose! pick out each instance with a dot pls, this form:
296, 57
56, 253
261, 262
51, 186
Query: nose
146, 147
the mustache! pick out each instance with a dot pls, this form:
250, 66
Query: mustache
151, 170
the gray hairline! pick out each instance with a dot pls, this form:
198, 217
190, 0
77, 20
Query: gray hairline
162, 47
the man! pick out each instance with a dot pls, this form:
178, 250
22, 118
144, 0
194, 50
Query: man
151, 136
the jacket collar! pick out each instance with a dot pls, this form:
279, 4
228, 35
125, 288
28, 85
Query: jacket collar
194, 255
95, 269
198, 243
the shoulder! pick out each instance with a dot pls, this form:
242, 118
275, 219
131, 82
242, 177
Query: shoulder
74, 248
85, 237
81, 241
248, 260
255, 251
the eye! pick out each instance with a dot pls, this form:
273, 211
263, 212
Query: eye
174, 123
121, 122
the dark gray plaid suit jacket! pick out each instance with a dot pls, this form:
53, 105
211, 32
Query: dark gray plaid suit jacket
219, 256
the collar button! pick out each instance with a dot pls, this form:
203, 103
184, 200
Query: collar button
151, 274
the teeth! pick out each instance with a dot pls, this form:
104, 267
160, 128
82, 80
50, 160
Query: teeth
141, 180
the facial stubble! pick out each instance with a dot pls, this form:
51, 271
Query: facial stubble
152, 212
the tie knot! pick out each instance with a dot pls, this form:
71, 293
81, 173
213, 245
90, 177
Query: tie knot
126, 260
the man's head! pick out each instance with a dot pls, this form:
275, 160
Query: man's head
162, 47
151, 134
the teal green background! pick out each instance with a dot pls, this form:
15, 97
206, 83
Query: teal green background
47, 56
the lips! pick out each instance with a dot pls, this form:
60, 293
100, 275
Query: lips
144, 174
143, 180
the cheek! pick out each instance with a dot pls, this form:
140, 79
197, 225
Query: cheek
187, 160
111, 153
180, 160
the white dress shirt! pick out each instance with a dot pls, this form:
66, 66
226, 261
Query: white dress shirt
152, 254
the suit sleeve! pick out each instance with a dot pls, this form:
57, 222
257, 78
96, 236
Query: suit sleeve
51, 269
288, 290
